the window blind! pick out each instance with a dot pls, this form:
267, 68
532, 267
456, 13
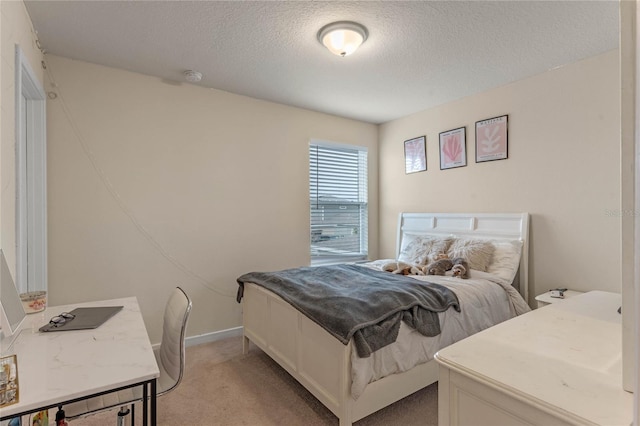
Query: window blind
338, 201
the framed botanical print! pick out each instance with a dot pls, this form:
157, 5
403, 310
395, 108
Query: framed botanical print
415, 155
491, 139
453, 148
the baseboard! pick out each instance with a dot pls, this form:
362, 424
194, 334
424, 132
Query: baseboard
213, 336
208, 337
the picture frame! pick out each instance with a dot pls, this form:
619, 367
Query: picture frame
453, 148
9, 390
415, 155
492, 141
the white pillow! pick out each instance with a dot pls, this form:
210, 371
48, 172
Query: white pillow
421, 249
409, 247
477, 253
506, 259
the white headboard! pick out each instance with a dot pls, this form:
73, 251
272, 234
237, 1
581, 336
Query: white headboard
507, 226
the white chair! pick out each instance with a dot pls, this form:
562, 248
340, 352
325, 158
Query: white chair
170, 358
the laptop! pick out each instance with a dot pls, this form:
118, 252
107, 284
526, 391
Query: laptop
85, 318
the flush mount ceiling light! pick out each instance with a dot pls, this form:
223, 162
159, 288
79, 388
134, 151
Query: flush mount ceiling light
192, 76
342, 38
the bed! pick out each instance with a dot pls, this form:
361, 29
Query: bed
353, 387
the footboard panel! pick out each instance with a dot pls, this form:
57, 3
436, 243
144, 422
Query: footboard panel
312, 356
318, 361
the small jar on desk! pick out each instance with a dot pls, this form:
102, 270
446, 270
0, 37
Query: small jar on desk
548, 298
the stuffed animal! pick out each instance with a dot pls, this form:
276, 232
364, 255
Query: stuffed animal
415, 270
439, 267
460, 268
402, 268
441, 255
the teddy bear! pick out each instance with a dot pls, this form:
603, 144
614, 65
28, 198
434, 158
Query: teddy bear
441, 255
402, 268
438, 267
460, 268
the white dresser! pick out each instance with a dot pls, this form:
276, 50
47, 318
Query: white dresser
561, 365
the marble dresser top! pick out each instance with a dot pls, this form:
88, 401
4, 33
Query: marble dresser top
565, 358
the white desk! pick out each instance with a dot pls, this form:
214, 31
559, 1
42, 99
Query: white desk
55, 368
558, 365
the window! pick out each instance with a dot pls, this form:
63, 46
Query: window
338, 199
31, 179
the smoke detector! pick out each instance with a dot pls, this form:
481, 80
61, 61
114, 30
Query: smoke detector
192, 76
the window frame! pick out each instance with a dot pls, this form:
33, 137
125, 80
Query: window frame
363, 202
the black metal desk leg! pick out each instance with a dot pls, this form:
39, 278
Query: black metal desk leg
145, 406
153, 402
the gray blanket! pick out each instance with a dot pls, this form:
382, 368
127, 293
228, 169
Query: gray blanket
356, 301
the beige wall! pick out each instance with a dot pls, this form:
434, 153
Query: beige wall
154, 184
563, 168
15, 28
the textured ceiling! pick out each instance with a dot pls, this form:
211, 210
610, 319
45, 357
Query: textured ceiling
419, 54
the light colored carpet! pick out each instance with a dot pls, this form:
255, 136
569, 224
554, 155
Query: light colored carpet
223, 387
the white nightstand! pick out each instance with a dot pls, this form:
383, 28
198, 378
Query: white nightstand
545, 299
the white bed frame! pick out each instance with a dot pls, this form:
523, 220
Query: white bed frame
321, 363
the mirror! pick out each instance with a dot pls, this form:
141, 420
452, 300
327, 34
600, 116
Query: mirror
13, 313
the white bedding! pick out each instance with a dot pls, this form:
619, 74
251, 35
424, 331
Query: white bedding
485, 300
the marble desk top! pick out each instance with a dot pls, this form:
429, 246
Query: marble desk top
565, 358
63, 365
